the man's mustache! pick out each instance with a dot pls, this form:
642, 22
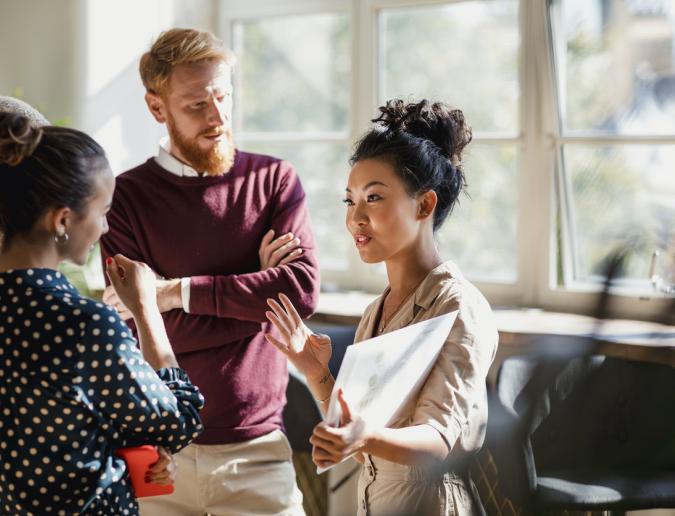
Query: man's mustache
211, 132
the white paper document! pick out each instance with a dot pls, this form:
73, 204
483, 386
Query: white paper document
379, 375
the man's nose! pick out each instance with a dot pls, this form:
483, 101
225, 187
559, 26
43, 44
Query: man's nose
217, 114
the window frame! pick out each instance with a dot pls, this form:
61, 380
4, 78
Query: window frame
540, 141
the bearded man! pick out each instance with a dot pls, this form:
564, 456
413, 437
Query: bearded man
230, 229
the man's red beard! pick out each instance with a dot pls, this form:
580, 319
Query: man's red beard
215, 162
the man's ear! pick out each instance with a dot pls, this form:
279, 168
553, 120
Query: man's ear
426, 203
156, 106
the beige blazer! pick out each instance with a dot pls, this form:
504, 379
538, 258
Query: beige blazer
453, 400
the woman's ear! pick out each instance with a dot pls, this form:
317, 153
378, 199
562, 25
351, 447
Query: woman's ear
426, 203
58, 221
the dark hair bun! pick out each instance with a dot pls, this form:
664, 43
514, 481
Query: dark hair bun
437, 122
19, 136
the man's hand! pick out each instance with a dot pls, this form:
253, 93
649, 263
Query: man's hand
278, 251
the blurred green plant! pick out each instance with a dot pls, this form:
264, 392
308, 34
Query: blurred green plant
88, 278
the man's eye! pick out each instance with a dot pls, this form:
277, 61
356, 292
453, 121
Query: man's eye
373, 197
348, 202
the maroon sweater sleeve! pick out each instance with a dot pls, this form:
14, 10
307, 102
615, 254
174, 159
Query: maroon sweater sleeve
243, 296
120, 238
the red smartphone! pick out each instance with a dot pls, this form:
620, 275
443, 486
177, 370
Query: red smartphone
139, 459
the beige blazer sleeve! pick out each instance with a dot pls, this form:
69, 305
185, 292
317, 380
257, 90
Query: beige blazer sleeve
453, 400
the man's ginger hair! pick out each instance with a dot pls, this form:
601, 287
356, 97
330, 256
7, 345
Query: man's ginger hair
175, 47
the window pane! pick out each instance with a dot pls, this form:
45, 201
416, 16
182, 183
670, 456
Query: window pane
616, 65
480, 235
293, 73
436, 53
621, 195
323, 170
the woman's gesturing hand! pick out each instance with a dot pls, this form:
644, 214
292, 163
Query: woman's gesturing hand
307, 351
134, 283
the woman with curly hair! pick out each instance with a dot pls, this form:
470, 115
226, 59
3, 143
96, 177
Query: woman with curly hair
406, 177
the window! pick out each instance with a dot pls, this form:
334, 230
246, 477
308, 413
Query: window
572, 103
615, 71
292, 101
432, 52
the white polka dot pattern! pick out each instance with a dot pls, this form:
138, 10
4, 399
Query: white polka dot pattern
73, 388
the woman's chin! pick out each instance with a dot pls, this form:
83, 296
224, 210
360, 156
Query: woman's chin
80, 261
367, 257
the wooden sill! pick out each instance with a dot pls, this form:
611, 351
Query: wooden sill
527, 330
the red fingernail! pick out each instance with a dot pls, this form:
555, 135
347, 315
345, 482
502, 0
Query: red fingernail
108, 260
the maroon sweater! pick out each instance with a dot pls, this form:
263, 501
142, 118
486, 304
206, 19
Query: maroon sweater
209, 229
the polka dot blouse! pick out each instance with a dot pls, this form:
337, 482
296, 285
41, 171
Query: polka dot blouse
73, 388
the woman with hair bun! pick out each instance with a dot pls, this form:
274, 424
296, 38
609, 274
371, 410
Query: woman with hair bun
406, 177
74, 386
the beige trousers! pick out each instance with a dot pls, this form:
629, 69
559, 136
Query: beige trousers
254, 477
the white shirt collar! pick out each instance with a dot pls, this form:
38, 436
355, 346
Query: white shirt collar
169, 162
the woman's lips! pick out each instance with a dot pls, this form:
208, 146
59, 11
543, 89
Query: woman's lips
362, 240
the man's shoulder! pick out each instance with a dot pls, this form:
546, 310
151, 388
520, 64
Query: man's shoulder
138, 172
252, 161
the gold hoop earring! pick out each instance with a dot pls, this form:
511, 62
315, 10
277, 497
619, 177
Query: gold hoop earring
61, 238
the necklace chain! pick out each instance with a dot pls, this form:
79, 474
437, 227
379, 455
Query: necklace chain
383, 319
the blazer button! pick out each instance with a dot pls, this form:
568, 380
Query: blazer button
370, 471
363, 504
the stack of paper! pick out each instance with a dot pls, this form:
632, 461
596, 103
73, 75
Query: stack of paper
378, 376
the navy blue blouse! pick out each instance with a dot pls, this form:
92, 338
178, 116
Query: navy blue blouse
73, 388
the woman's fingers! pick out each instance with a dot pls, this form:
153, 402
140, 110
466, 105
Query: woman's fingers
125, 314
320, 442
279, 324
329, 433
346, 411
113, 272
277, 344
321, 454
290, 309
161, 464
110, 296
162, 481
164, 470
281, 315
329, 438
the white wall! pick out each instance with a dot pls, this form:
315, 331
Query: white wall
78, 60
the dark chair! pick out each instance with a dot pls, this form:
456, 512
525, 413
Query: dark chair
589, 433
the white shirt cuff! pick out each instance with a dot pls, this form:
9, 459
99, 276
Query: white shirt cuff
185, 293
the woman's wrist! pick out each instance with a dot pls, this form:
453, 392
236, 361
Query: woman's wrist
321, 386
146, 312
